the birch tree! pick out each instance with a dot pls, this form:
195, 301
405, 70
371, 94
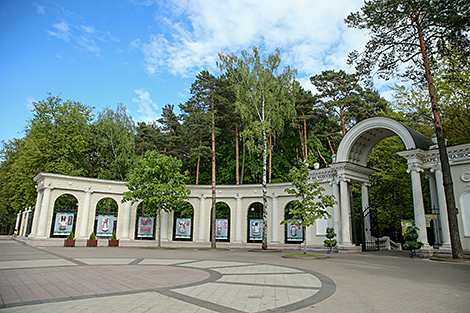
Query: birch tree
264, 100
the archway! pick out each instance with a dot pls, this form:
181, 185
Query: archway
222, 222
255, 222
183, 223
293, 234
106, 217
144, 225
64, 216
351, 167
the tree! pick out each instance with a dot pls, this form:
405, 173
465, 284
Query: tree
56, 141
312, 204
114, 143
159, 183
264, 101
415, 32
344, 99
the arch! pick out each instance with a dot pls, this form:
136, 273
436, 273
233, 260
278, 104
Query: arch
222, 223
64, 217
293, 234
465, 205
360, 139
255, 222
106, 213
183, 222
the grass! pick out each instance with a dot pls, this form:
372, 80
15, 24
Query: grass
308, 255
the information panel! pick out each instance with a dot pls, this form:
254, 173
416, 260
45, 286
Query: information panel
295, 232
256, 229
145, 228
183, 228
105, 226
63, 223
221, 226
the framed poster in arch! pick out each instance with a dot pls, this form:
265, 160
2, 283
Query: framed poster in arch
221, 228
146, 227
183, 228
256, 229
105, 225
295, 232
63, 223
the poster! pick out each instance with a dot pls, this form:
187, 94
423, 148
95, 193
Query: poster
183, 228
429, 218
145, 228
294, 232
221, 227
105, 225
256, 229
405, 224
63, 223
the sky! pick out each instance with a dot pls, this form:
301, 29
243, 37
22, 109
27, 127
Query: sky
146, 53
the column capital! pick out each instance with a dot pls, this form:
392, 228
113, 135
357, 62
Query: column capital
414, 167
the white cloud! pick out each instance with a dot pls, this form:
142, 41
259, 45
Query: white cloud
147, 109
311, 34
61, 31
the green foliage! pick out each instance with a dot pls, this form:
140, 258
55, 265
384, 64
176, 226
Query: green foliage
113, 236
411, 237
70, 236
330, 235
158, 182
114, 144
92, 236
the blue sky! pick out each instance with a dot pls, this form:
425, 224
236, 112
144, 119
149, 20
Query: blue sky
146, 53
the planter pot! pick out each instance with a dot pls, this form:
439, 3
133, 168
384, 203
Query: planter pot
92, 243
113, 243
69, 243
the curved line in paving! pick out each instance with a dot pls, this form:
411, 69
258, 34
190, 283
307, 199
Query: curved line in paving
190, 267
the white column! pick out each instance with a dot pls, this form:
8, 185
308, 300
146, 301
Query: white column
441, 198
418, 203
37, 212
345, 208
42, 225
84, 216
164, 230
202, 218
126, 220
18, 219
275, 221
336, 210
22, 225
365, 204
238, 220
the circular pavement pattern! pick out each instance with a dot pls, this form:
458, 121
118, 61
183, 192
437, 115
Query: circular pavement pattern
121, 285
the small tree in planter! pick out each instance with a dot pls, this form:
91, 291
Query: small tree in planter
92, 242
411, 240
113, 242
330, 242
70, 241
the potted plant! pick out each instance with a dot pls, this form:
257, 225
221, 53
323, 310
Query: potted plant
92, 241
330, 242
69, 241
411, 240
113, 242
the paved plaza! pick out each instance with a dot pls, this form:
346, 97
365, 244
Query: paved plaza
58, 279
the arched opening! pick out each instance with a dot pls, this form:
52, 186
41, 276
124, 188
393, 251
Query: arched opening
64, 216
255, 222
222, 222
183, 223
293, 234
145, 225
106, 217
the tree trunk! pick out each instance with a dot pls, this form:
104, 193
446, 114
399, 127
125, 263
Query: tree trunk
270, 158
264, 245
237, 156
159, 217
213, 233
305, 139
243, 161
457, 251
198, 163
